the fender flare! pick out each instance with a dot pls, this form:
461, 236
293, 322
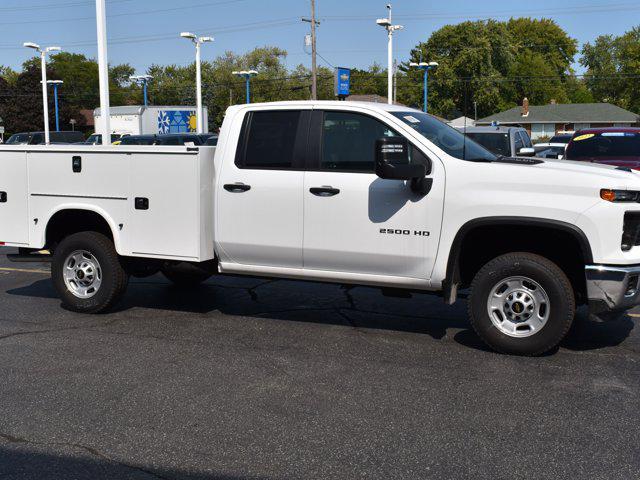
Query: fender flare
87, 208
452, 279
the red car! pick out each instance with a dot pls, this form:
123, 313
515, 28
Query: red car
617, 146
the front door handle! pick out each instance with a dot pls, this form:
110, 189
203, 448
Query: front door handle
237, 187
324, 191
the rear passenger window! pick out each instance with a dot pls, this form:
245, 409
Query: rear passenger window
268, 140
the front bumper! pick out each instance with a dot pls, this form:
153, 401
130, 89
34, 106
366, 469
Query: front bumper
612, 288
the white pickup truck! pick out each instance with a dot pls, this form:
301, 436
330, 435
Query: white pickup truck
341, 192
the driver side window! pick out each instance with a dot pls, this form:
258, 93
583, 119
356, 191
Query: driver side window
349, 142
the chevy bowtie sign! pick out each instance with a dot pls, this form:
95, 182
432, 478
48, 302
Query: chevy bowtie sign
342, 82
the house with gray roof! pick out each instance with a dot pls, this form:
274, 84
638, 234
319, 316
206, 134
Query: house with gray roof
548, 120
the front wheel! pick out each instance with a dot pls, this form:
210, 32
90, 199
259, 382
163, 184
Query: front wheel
87, 273
521, 304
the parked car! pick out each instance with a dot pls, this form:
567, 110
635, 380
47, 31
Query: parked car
138, 140
618, 146
206, 136
550, 150
179, 139
341, 192
561, 138
37, 138
166, 140
212, 141
96, 138
506, 141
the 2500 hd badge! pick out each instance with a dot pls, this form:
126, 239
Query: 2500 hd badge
397, 231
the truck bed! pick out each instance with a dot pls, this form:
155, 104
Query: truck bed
113, 182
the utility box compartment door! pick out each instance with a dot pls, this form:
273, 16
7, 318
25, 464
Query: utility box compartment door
14, 198
164, 206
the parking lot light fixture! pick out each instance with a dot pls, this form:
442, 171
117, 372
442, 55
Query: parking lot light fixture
425, 66
144, 80
198, 41
45, 99
246, 74
390, 28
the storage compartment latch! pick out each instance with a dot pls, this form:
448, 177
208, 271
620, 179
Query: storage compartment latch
142, 203
76, 164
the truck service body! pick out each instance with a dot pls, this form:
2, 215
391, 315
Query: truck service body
343, 192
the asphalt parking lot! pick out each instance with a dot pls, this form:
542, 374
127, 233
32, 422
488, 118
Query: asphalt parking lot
248, 378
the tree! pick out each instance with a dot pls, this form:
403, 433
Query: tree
494, 64
613, 67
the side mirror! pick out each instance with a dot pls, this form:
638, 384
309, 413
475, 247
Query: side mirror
527, 152
392, 160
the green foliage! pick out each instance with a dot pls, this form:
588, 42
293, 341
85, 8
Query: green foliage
613, 64
494, 64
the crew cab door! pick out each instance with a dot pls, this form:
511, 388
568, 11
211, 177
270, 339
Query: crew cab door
259, 192
356, 222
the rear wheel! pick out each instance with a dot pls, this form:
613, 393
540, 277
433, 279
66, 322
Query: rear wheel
87, 273
521, 304
185, 274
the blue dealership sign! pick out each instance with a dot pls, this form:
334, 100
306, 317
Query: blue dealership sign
343, 82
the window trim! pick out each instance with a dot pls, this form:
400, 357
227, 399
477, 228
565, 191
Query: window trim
316, 140
299, 145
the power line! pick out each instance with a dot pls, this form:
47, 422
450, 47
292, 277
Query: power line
56, 5
145, 13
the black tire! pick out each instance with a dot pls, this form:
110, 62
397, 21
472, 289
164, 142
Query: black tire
547, 275
185, 275
114, 279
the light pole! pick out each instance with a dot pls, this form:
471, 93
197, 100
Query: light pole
390, 28
425, 67
246, 74
45, 98
198, 41
144, 80
56, 84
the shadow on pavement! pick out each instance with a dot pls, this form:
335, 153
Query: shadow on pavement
23, 464
310, 302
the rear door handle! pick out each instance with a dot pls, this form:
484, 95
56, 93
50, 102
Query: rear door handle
237, 187
324, 191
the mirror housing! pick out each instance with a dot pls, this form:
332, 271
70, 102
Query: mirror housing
527, 152
392, 160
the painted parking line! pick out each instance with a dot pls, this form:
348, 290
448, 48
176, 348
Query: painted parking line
24, 270
637, 315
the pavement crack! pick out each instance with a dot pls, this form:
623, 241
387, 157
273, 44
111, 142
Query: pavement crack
252, 290
88, 449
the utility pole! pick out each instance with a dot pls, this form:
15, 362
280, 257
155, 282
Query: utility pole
314, 65
395, 80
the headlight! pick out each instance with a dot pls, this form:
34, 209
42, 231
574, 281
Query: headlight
620, 195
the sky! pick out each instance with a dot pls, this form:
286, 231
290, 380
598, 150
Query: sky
144, 32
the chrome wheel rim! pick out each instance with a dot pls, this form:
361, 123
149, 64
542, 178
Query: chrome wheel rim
518, 307
82, 274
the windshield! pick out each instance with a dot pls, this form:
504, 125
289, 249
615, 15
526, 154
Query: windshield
18, 139
447, 138
497, 143
560, 139
593, 146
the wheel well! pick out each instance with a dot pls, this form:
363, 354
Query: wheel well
68, 222
480, 244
